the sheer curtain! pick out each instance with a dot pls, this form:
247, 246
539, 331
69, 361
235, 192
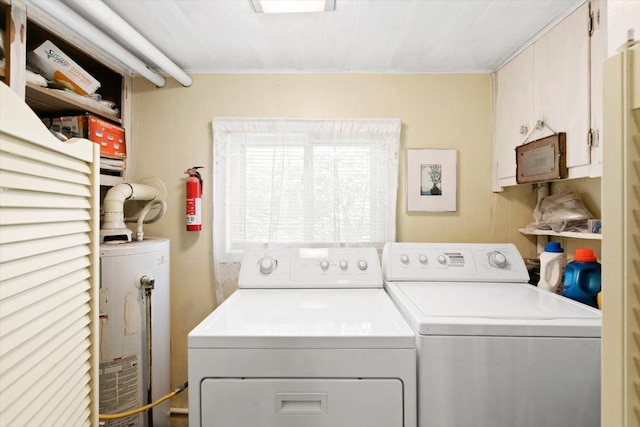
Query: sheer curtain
301, 182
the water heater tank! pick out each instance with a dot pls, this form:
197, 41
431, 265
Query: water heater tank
134, 366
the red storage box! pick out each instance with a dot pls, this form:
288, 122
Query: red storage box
110, 136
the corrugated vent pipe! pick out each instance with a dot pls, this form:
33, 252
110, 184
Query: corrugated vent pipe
113, 226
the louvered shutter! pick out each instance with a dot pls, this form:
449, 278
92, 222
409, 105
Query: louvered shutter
621, 241
48, 273
631, 242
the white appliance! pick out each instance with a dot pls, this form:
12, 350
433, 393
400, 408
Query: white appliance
310, 339
126, 371
492, 349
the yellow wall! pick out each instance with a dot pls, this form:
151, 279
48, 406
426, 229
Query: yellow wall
171, 131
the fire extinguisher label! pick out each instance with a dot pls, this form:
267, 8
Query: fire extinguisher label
194, 211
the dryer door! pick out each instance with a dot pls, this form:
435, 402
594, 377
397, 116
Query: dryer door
274, 402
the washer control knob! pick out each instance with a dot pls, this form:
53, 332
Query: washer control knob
267, 265
362, 265
344, 265
497, 260
324, 265
423, 259
404, 258
442, 259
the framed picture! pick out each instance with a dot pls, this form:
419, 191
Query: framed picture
431, 180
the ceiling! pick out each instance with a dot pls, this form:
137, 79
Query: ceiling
381, 36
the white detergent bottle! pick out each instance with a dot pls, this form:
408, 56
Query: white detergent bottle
552, 263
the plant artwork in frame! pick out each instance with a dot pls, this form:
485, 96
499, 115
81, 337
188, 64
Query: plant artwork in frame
431, 180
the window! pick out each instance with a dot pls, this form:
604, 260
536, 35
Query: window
303, 182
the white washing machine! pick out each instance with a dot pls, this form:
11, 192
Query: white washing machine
492, 349
310, 339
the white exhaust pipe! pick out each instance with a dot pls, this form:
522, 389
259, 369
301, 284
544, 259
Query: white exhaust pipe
113, 226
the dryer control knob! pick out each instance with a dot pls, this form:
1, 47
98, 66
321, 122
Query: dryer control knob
324, 265
498, 260
442, 259
267, 265
362, 265
344, 265
404, 258
423, 259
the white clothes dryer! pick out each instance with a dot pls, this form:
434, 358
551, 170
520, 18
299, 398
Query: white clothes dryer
493, 351
310, 339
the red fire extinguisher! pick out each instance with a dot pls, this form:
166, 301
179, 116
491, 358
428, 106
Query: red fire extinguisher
194, 199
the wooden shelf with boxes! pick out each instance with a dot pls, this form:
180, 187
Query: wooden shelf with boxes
47, 102
109, 136
110, 101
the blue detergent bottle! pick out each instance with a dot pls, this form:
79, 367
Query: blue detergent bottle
582, 278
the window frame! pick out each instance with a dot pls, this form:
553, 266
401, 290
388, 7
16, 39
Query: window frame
225, 133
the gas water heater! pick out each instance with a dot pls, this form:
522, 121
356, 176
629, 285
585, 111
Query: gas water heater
134, 330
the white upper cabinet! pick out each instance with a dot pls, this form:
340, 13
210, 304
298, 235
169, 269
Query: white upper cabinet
561, 81
548, 82
620, 20
615, 22
514, 113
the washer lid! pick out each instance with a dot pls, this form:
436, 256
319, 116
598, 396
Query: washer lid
304, 318
498, 309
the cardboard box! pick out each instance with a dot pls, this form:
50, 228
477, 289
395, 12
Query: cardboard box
110, 136
53, 64
71, 127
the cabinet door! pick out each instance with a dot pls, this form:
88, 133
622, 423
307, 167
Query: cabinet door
622, 22
514, 111
561, 87
48, 272
617, 21
598, 56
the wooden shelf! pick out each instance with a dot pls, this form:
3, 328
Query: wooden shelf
48, 103
570, 234
44, 101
